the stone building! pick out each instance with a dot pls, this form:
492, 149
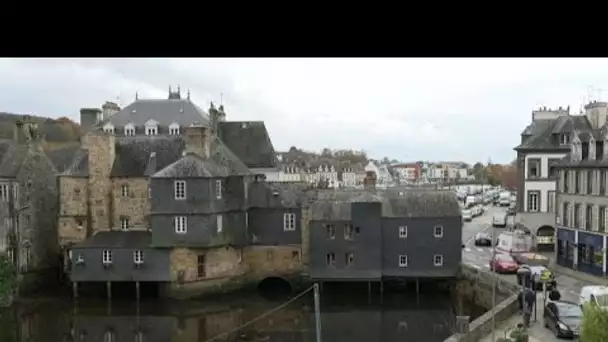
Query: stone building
28, 203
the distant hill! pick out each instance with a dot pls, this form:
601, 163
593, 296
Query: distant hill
57, 132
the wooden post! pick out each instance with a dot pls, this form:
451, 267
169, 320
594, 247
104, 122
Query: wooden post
137, 293
75, 289
109, 290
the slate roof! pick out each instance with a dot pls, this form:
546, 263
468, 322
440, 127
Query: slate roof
541, 134
336, 204
117, 239
281, 194
250, 142
12, 160
163, 111
62, 157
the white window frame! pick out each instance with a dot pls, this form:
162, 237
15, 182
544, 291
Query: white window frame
218, 188
400, 260
129, 129
219, 221
174, 129
151, 127
124, 224
138, 256
289, 222
402, 232
4, 191
106, 256
108, 128
536, 197
440, 231
180, 223
179, 190
124, 190
438, 257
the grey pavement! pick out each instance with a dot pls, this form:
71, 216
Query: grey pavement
569, 282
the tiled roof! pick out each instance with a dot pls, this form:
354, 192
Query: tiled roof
117, 239
543, 134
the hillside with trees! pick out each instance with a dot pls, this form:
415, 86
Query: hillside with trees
57, 132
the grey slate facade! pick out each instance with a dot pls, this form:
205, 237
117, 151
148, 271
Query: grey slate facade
356, 235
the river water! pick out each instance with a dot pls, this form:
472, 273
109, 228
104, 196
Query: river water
346, 316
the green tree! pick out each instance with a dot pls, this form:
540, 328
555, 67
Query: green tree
595, 321
9, 280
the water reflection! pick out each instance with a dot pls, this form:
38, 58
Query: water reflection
344, 318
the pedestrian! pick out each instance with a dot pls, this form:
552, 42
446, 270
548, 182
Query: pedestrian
554, 294
529, 300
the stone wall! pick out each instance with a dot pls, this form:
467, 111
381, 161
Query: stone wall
267, 261
73, 209
478, 284
101, 149
304, 227
135, 206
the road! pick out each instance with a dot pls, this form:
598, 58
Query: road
480, 257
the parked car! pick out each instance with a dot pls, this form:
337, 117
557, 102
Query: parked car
467, 215
532, 259
475, 211
483, 239
536, 272
499, 219
503, 263
596, 294
563, 318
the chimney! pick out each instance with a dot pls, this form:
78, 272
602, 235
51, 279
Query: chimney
108, 109
25, 130
369, 182
89, 117
198, 140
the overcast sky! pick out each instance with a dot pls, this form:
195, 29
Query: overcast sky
407, 109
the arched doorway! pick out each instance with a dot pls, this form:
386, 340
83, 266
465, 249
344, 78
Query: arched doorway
274, 286
545, 239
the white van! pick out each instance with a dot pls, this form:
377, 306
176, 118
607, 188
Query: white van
499, 219
597, 294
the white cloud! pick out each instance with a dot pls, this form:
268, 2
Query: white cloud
430, 109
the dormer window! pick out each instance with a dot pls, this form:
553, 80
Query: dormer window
564, 138
129, 129
151, 127
174, 129
108, 128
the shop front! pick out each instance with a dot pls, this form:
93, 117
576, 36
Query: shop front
591, 253
566, 246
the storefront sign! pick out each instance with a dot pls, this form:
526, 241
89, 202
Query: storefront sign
545, 240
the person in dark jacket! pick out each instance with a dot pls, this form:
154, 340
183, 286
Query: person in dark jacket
554, 294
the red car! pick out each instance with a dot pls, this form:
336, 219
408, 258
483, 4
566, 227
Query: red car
503, 263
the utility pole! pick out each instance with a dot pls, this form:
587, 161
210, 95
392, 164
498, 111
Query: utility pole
317, 312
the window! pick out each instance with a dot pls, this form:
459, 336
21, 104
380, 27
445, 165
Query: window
330, 231
577, 184
552, 173
289, 221
565, 139
174, 129
27, 257
109, 336
589, 217
403, 261
403, 232
200, 263
28, 220
349, 259
124, 223
129, 129
219, 221
577, 216
106, 256
551, 201
602, 182
108, 128
349, 232
179, 189
4, 194
330, 259
139, 336
124, 190
218, 189
533, 201
602, 219
181, 224
138, 257
438, 260
589, 180
295, 255
438, 231
534, 168
566, 180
